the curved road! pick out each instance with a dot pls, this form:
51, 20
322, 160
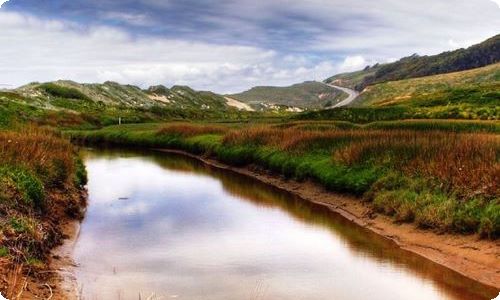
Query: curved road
352, 95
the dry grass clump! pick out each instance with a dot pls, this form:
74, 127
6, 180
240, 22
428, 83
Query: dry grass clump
288, 139
189, 129
40, 150
464, 161
295, 140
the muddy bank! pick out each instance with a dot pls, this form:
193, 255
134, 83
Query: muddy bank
469, 256
53, 278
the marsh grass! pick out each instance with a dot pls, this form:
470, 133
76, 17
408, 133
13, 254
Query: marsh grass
40, 177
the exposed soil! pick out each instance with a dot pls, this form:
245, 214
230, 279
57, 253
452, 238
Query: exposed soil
48, 281
468, 255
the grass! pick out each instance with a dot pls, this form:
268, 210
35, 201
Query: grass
472, 94
40, 181
442, 180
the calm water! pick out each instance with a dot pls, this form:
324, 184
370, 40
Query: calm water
171, 227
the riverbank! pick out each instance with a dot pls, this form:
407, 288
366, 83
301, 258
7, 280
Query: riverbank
466, 254
41, 192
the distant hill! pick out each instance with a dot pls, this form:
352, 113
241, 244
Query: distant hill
308, 94
476, 87
485, 53
70, 104
114, 94
471, 94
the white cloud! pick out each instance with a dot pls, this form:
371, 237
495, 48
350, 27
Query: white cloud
352, 63
2, 2
340, 37
41, 50
497, 2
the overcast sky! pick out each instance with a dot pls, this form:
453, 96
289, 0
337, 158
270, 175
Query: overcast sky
226, 45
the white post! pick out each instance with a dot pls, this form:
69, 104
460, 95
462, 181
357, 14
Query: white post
119, 120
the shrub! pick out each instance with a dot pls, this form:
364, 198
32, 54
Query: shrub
63, 92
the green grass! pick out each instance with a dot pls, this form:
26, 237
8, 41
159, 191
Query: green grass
29, 185
472, 94
4, 251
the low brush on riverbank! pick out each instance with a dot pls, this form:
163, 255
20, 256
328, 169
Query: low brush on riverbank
41, 187
442, 181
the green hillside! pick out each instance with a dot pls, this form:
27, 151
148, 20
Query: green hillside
472, 94
353, 79
112, 93
308, 94
71, 104
483, 54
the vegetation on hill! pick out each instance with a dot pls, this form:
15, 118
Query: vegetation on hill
353, 79
41, 180
472, 94
66, 104
483, 54
443, 180
309, 94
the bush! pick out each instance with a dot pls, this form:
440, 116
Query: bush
63, 92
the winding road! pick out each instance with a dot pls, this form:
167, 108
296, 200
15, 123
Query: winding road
352, 96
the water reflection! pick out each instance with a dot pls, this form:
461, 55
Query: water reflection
169, 225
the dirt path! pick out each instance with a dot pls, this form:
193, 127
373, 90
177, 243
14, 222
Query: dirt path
469, 256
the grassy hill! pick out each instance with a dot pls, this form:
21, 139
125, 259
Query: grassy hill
112, 93
472, 94
70, 104
353, 79
483, 54
308, 94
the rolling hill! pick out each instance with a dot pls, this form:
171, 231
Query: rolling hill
308, 94
472, 94
115, 94
483, 54
69, 104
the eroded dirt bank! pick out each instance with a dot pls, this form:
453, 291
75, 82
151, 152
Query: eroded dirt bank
470, 256
52, 278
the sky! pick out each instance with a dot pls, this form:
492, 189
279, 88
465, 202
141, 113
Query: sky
226, 45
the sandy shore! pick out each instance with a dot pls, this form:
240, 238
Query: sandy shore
475, 258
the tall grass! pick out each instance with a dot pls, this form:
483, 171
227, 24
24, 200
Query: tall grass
464, 162
40, 177
41, 151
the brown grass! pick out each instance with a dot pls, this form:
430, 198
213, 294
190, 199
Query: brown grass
467, 161
189, 129
36, 149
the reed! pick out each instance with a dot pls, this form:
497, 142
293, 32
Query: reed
462, 162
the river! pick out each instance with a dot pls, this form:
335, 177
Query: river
163, 226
